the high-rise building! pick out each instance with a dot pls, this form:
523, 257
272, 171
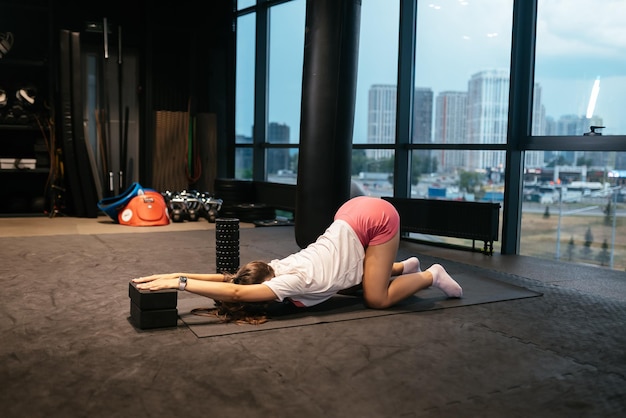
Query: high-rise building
534, 159
450, 127
422, 115
487, 116
478, 116
277, 159
381, 119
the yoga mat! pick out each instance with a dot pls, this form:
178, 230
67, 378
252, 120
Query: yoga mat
479, 286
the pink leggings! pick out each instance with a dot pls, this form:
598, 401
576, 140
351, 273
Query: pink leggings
374, 220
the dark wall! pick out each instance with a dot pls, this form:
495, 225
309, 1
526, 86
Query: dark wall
185, 49
186, 54
75, 15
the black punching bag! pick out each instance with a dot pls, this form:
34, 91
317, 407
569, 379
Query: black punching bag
327, 114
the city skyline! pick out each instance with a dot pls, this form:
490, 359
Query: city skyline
454, 40
488, 96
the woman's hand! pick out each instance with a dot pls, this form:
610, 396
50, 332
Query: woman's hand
157, 281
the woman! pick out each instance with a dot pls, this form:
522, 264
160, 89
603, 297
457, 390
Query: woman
358, 249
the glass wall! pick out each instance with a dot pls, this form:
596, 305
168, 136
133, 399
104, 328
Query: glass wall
470, 185
285, 61
286, 56
575, 212
372, 176
462, 65
461, 134
244, 95
244, 81
375, 106
268, 92
282, 165
573, 202
580, 71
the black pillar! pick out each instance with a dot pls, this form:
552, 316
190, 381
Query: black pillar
328, 95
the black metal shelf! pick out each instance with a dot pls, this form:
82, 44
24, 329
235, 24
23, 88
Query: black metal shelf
24, 171
18, 127
27, 64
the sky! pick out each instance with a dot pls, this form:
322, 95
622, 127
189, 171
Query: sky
578, 41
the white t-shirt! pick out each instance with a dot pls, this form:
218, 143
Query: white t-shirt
332, 263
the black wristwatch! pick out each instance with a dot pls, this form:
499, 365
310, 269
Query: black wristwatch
182, 282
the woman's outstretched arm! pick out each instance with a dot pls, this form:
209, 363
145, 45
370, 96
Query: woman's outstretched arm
227, 292
209, 277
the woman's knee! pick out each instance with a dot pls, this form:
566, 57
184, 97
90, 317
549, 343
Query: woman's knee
375, 302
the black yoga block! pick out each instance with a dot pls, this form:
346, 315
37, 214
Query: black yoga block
152, 299
154, 318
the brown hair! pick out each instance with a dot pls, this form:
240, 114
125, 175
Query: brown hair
254, 313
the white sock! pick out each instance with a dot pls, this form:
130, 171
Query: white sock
411, 265
443, 281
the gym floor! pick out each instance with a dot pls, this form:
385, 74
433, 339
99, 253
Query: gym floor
68, 349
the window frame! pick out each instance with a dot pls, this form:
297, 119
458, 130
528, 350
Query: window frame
519, 132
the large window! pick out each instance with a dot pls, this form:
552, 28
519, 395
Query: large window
444, 103
573, 202
244, 95
573, 209
462, 65
375, 107
270, 51
461, 96
286, 55
372, 176
244, 88
580, 71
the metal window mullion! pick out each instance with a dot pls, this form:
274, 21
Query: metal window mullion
260, 92
405, 95
520, 118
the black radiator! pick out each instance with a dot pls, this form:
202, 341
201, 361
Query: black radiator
450, 218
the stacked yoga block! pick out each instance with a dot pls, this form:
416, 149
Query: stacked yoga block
157, 308
153, 309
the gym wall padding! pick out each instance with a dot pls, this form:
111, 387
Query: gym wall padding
170, 151
206, 132
328, 97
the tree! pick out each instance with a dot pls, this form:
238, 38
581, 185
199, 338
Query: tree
469, 181
385, 165
604, 256
570, 248
359, 161
584, 161
609, 212
421, 164
245, 174
586, 250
